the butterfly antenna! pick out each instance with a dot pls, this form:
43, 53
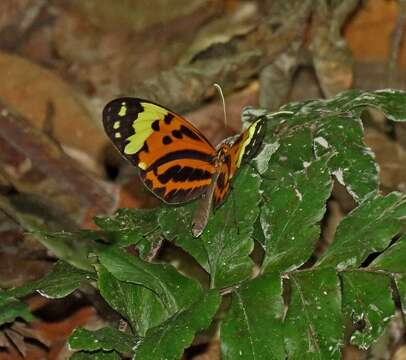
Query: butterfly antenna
220, 91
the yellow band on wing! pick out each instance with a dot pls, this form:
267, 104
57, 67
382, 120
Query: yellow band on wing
142, 127
251, 132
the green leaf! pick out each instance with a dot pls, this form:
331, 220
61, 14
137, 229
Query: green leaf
400, 281
228, 235
314, 325
354, 165
336, 125
391, 102
367, 297
128, 226
296, 107
11, 309
368, 228
176, 223
174, 290
107, 339
74, 248
290, 218
168, 340
95, 355
62, 280
295, 147
223, 249
392, 259
252, 328
139, 305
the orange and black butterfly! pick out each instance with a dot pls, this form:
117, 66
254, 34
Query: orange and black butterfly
175, 160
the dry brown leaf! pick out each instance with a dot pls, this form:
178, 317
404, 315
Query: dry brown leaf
400, 354
391, 158
135, 15
351, 352
373, 24
29, 89
107, 52
44, 175
331, 57
10, 10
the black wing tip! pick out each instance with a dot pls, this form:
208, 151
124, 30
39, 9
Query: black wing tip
262, 120
112, 108
116, 104
131, 101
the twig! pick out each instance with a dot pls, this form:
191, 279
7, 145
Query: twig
396, 40
20, 29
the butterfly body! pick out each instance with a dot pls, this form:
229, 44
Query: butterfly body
175, 160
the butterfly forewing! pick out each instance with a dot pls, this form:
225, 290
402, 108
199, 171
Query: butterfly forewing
175, 160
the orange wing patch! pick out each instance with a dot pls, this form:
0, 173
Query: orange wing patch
223, 185
176, 161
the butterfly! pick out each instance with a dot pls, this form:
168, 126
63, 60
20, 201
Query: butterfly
175, 160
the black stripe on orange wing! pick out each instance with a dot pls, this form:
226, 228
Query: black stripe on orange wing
223, 186
179, 180
177, 193
179, 165
180, 155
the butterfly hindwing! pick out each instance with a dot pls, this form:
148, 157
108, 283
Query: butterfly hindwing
245, 147
175, 160
223, 184
249, 142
